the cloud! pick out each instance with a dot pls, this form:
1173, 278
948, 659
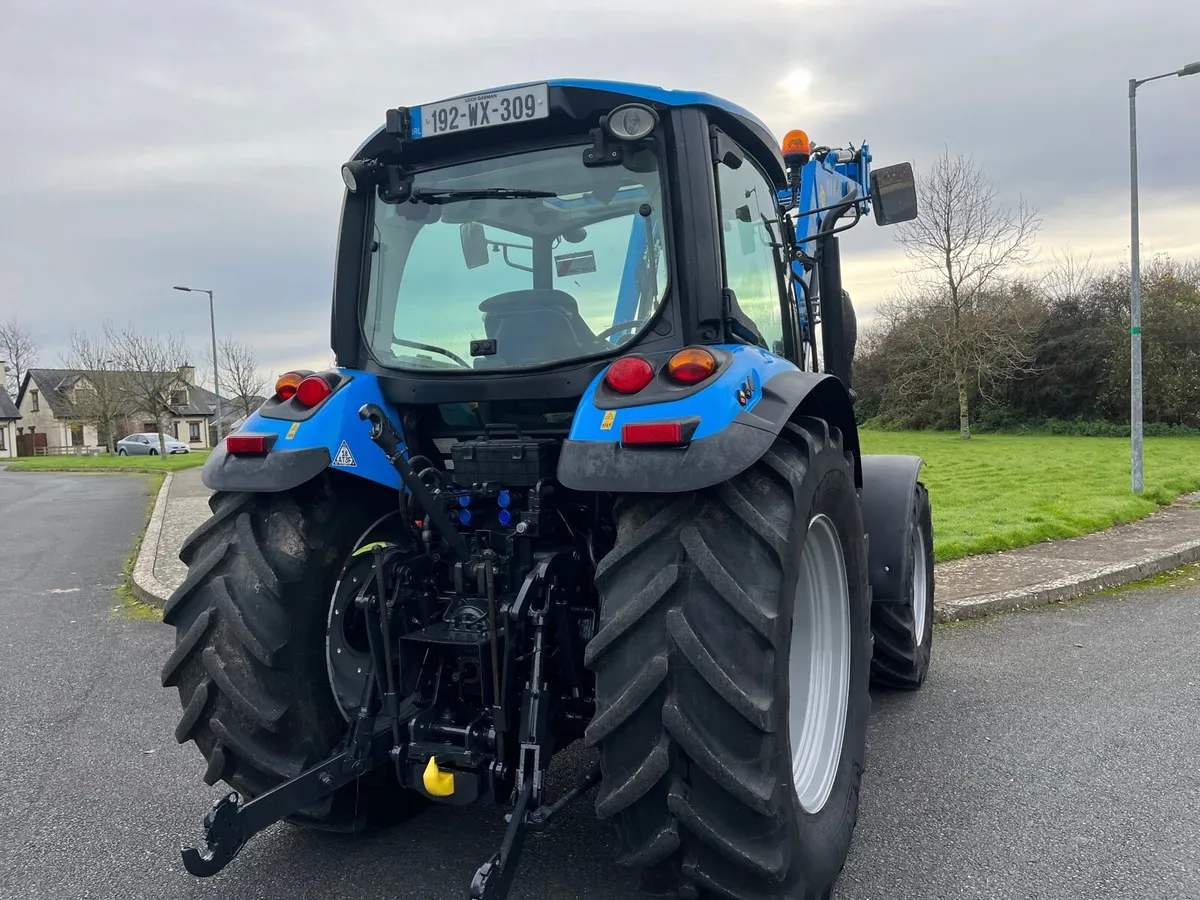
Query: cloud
146, 145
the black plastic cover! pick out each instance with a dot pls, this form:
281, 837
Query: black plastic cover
887, 500
512, 462
279, 470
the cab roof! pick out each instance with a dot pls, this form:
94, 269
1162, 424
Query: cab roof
649, 93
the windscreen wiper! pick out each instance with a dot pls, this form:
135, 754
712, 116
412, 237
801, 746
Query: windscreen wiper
453, 195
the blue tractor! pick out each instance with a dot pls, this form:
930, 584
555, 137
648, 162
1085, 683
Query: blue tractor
587, 470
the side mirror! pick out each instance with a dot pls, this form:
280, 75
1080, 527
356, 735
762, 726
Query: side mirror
894, 194
474, 245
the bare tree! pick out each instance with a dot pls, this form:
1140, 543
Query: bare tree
242, 384
19, 350
1067, 277
151, 366
962, 244
101, 395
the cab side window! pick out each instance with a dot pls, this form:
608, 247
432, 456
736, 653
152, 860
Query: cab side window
750, 234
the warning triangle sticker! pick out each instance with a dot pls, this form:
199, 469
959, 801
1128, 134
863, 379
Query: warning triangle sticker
345, 457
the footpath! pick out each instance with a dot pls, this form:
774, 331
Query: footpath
1043, 573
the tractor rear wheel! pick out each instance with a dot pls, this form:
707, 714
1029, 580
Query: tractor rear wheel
249, 659
732, 666
903, 628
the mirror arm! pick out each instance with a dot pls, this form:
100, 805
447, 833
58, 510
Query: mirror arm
844, 206
812, 212
512, 264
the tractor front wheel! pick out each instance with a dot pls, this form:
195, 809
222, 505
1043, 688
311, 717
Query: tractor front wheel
249, 658
732, 668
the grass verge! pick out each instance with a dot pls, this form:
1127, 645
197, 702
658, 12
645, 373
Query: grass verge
999, 492
1182, 575
128, 605
123, 464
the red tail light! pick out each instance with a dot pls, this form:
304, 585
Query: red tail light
659, 433
248, 443
629, 374
313, 390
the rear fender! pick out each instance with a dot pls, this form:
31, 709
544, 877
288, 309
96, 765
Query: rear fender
329, 437
728, 438
887, 499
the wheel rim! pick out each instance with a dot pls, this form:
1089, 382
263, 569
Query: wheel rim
347, 651
819, 666
920, 584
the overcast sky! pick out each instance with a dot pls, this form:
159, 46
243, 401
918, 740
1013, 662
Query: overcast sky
149, 144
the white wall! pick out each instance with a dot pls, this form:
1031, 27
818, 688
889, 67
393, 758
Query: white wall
181, 428
9, 431
41, 420
58, 433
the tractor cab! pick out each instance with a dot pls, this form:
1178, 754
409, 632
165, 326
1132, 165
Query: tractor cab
510, 244
525, 260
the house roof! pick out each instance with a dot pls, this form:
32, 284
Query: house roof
55, 385
51, 383
203, 403
7, 409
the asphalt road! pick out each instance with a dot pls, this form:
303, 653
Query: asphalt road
1051, 755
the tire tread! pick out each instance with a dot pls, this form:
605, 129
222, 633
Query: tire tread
693, 793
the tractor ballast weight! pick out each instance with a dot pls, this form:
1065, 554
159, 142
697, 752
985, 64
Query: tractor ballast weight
580, 473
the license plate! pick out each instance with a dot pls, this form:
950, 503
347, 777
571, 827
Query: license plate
523, 104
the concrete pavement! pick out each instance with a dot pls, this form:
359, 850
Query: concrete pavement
181, 507
996, 582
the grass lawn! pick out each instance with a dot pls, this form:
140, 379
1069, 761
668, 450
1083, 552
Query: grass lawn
152, 464
996, 492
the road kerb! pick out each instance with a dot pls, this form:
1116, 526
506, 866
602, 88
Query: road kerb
1071, 588
146, 586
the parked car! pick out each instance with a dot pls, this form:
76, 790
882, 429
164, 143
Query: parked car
147, 445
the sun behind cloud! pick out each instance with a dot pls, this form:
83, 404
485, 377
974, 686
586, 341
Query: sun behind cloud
797, 82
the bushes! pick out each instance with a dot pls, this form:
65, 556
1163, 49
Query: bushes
1078, 380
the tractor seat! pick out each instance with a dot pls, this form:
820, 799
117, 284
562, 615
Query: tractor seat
535, 325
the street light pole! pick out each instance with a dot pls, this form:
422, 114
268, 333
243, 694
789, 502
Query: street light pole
212, 320
1135, 286
1135, 305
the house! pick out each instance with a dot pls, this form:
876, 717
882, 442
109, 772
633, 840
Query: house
51, 403
9, 416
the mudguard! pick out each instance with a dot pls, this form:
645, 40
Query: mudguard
307, 442
728, 437
887, 499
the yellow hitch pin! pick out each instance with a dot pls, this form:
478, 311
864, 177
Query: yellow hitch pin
437, 782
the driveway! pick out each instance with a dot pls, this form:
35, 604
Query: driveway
1051, 755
